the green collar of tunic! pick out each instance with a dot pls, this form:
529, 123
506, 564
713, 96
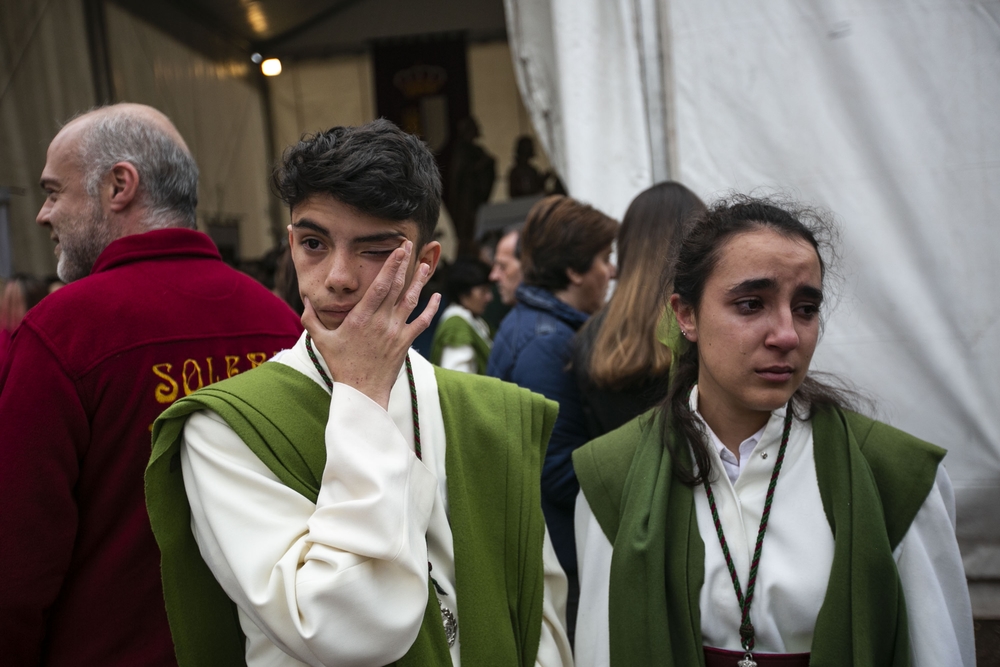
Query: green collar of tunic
496, 435
872, 481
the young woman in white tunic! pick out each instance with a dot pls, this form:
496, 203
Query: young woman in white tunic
748, 292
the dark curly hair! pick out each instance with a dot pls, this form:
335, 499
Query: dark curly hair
375, 168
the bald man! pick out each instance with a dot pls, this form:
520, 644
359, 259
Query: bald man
150, 314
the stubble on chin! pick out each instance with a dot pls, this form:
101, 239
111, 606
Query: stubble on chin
80, 250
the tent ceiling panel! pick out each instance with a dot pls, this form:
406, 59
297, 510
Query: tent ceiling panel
221, 29
359, 22
262, 20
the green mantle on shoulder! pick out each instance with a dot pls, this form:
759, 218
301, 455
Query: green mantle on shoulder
456, 332
872, 481
496, 437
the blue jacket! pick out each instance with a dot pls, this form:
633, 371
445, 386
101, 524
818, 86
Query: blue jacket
532, 349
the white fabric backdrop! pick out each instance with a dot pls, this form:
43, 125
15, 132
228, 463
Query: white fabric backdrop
45, 78
883, 112
579, 76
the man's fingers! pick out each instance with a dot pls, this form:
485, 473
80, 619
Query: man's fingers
410, 300
399, 277
420, 324
382, 286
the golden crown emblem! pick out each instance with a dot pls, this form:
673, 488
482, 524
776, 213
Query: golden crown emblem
420, 80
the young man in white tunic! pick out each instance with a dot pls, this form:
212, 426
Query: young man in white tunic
857, 561
381, 559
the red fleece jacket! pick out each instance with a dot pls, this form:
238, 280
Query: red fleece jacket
87, 372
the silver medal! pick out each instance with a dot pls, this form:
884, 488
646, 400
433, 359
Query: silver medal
451, 626
747, 661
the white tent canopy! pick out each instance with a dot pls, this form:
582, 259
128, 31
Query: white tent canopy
884, 113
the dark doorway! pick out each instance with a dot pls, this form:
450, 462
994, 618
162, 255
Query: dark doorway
422, 85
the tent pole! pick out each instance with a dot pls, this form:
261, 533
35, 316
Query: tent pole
100, 59
275, 209
649, 39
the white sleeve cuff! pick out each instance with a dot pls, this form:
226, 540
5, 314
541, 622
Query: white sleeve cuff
938, 609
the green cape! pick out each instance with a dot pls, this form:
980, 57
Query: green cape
496, 435
872, 481
456, 332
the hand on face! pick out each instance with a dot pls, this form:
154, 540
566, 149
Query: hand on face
367, 349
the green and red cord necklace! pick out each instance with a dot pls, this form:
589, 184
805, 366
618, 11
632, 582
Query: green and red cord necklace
746, 627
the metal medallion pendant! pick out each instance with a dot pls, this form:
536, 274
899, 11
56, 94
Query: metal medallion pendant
747, 661
451, 626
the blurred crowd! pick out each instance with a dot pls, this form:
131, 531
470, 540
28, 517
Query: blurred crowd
19, 294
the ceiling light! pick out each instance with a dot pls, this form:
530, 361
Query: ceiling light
271, 67
255, 58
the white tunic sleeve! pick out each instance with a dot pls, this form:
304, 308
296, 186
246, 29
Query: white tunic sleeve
593, 552
320, 581
460, 358
938, 609
553, 648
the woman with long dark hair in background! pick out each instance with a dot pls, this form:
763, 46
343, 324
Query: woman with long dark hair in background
620, 361
754, 518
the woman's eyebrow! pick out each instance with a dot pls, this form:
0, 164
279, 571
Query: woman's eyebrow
764, 284
752, 285
810, 292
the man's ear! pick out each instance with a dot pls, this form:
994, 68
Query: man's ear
430, 254
122, 186
686, 318
574, 277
